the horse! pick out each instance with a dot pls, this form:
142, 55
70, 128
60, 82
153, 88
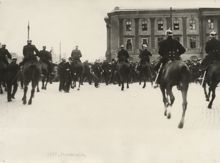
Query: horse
174, 72
212, 78
145, 73
45, 74
123, 71
3, 67
77, 69
31, 73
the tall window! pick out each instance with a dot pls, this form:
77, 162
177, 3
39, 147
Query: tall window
192, 24
211, 24
176, 24
129, 44
160, 25
128, 25
144, 24
192, 41
145, 41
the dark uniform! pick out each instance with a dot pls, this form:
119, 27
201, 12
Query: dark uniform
213, 50
45, 56
4, 54
29, 52
123, 55
65, 76
76, 55
170, 48
144, 56
11, 79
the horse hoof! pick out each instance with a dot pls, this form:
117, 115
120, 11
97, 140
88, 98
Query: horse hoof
168, 116
180, 126
24, 102
9, 100
29, 102
165, 113
209, 106
207, 99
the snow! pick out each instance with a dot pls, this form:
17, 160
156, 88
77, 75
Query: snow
106, 125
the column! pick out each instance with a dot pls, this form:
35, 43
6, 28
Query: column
136, 36
184, 32
152, 34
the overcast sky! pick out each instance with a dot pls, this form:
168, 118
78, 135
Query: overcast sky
73, 22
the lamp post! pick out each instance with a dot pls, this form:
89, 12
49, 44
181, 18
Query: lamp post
171, 18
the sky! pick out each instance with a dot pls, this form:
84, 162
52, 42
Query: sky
71, 22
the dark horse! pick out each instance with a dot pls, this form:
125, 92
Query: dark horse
145, 73
45, 74
2, 74
123, 71
77, 72
31, 73
212, 78
177, 73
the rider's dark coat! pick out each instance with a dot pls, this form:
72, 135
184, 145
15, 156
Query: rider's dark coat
123, 55
4, 54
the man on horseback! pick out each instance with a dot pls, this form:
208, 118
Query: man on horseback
144, 55
4, 54
212, 49
168, 49
76, 54
45, 57
123, 55
29, 52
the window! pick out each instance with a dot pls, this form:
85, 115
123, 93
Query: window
192, 41
176, 24
144, 25
128, 25
160, 25
145, 41
129, 44
192, 24
211, 24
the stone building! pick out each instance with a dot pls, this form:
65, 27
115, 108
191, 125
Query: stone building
133, 27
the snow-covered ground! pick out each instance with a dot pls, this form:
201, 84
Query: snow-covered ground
106, 125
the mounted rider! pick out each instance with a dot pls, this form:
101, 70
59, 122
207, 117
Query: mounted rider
30, 53
123, 55
212, 49
76, 55
168, 49
144, 55
4, 55
46, 57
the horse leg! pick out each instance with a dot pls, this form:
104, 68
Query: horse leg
184, 106
205, 91
9, 85
38, 90
32, 92
24, 99
172, 99
165, 101
213, 96
15, 88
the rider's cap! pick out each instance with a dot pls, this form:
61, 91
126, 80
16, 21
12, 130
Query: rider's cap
122, 46
213, 34
29, 41
169, 32
14, 58
144, 45
3, 45
44, 46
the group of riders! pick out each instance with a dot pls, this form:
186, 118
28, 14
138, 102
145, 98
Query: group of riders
169, 49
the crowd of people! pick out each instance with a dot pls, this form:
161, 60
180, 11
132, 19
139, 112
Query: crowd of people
169, 49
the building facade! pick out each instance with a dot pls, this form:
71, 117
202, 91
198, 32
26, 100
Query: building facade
132, 28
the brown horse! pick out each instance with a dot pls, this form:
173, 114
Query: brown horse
77, 70
45, 74
174, 73
31, 73
123, 71
212, 78
145, 73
